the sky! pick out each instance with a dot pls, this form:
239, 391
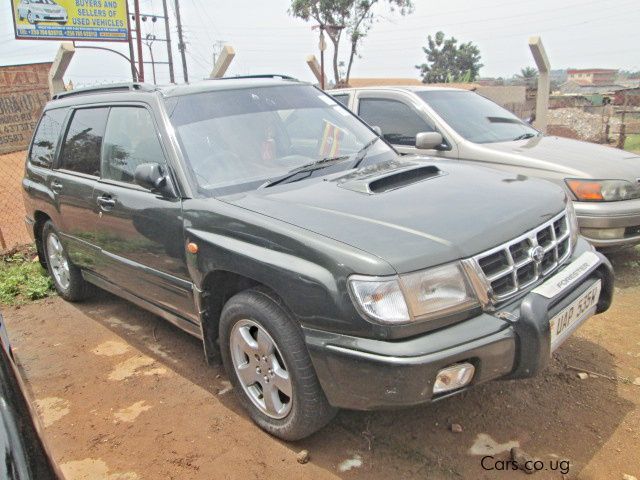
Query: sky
578, 34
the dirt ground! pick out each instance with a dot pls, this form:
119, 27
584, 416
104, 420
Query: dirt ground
125, 396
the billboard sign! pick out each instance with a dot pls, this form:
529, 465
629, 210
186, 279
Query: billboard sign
91, 20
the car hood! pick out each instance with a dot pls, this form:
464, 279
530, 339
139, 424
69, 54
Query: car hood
456, 213
573, 157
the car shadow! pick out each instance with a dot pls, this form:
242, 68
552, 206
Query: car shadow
555, 415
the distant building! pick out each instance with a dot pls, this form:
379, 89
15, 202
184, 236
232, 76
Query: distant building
592, 76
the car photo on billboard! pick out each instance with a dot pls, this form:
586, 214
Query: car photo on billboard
39, 11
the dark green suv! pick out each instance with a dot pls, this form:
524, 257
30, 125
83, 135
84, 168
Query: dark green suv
325, 270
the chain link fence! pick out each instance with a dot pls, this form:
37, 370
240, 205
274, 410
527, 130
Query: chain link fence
13, 231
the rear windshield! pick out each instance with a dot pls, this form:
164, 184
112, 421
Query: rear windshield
476, 118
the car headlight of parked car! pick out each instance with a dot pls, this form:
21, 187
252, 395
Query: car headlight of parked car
416, 296
602, 190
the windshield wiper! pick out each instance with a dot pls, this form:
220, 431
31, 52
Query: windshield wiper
362, 153
308, 168
525, 136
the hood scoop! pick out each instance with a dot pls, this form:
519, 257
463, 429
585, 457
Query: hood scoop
381, 181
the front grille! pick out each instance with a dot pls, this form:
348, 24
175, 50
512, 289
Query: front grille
512, 267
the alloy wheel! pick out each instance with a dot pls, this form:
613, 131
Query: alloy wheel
58, 261
261, 369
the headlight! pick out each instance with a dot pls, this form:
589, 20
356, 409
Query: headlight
420, 295
602, 190
574, 229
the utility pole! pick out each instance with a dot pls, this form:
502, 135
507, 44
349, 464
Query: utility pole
181, 46
168, 38
136, 9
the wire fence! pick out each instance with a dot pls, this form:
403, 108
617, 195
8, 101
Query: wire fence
13, 232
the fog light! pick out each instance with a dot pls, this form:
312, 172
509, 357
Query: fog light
453, 377
603, 233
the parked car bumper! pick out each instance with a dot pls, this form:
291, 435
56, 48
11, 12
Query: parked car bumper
366, 374
610, 224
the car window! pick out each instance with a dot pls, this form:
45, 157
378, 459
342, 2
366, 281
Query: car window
46, 137
399, 122
81, 150
130, 139
476, 118
343, 98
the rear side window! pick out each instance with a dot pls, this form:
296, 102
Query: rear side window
343, 98
399, 122
130, 140
46, 138
83, 143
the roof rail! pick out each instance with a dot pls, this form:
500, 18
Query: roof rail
114, 87
262, 75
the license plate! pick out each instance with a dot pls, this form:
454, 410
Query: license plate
573, 315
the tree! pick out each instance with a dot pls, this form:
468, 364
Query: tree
528, 75
353, 17
449, 62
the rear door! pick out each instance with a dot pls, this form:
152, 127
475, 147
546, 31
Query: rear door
139, 232
73, 181
400, 121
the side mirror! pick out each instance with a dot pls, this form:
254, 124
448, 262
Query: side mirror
377, 129
428, 140
153, 176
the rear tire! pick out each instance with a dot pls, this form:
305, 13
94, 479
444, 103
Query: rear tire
67, 278
265, 357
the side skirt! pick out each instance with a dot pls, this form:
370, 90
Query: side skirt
176, 320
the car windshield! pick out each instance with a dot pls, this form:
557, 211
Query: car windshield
239, 139
476, 118
43, 2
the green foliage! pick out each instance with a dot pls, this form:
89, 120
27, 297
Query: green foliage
353, 17
22, 279
449, 62
632, 143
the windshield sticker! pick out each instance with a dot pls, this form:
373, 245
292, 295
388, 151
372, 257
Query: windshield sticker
330, 143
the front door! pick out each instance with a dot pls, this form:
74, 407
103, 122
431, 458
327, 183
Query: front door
140, 232
399, 122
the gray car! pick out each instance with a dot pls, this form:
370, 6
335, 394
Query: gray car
603, 182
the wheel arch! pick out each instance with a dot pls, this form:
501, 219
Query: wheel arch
218, 286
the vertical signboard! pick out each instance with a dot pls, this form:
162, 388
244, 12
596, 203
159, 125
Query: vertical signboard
91, 20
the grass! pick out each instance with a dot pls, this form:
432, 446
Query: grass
22, 279
632, 143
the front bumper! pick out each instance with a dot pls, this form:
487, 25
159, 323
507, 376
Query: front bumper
366, 374
595, 218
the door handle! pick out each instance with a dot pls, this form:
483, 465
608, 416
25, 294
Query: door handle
106, 202
56, 186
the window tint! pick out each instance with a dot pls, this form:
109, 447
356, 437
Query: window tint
46, 137
342, 98
81, 151
399, 122
130, 139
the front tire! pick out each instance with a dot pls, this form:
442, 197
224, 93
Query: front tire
30, 18
266, 359
67, 278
